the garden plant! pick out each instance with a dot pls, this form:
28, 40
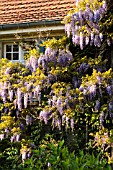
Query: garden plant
56, 110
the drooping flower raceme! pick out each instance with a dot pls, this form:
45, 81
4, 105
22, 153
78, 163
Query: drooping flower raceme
19, 99
84, 25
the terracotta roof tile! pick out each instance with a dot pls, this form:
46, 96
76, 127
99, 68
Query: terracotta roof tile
21, 11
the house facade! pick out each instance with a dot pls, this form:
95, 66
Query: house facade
29, 21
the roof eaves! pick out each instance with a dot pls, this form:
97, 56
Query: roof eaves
29, 24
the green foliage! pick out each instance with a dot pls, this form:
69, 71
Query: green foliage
33, 52
9, 155
56, 44
51, 155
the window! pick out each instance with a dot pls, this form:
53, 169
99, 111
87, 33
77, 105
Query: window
13, 52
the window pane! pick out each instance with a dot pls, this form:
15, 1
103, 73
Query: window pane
15, 48
8, 48
15, 56
8, 56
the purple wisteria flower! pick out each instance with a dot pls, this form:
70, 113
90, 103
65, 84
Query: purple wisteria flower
7, 132
99, 79
81, 41
10, 92
17, 137
64, 58
61, 110
30, 97
75, 82
104, 5
89, 18
24, 156
85, 92
68, 29
13, 138
72, 124
110, 109
83, 68
59, 102
87, 40
28, 154
19, 99
109, 90
59, 124
100, 91
4, 95
22, 126
67, 123
92, 91
50, 102
33, 62
8, 69
97, 41
25, 100
97, 105
54, 100
29, 120
48, 51
63, 120
102, 117
37, 90
2, 136
108, 42
44, 115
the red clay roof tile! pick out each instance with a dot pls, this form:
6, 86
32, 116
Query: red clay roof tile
21, 11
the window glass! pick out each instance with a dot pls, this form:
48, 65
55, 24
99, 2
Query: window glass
8, 48
15, 56
15, 48
8, 56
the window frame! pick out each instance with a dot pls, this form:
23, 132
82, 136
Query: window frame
20, 52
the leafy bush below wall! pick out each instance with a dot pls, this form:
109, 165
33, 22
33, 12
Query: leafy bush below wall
55, 156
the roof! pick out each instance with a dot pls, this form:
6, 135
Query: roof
23, 11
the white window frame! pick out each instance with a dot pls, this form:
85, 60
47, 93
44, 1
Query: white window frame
20, 52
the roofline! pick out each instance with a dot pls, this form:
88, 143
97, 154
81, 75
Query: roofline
29, 24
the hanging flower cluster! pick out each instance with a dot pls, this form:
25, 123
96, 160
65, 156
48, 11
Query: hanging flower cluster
94, 88
62, 98
84, 23
51, 57
61, 102
21, 89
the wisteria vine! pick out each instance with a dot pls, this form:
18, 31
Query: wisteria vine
84, 23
